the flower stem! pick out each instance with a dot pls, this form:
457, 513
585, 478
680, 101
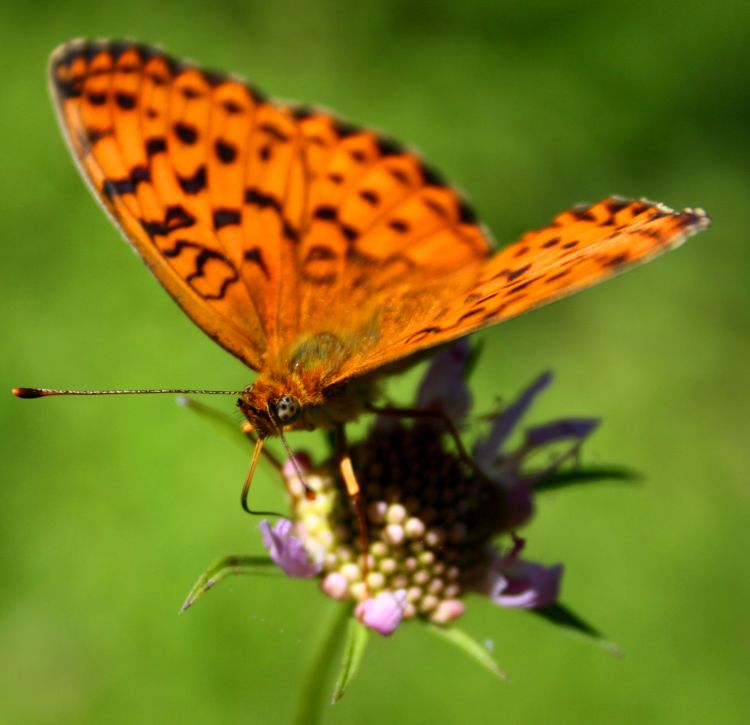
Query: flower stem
314, 690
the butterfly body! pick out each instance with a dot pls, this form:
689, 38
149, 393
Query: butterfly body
322, 255
297, 398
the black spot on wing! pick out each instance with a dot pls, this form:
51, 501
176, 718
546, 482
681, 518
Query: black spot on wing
203, 257
255, 197
349, 232
583, 215
371, 197
225, 151
255, 256
559, 275
177, 217
190, 93
118, 187
226, 217
516, 273
156, 145
422, 334
399, 225
319, 252
232, 108
195, 183
344, 128
465, 213
96, 99
273, 131
125, 101
389, 147
617, 261
438, 208
327, 213
185, 132
471, 313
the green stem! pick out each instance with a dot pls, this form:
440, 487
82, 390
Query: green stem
314, 690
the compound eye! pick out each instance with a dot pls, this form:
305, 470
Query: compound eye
287, 409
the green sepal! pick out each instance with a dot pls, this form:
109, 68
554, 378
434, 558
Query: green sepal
579, 476
566, 618
468, 645
354, 648
225, 567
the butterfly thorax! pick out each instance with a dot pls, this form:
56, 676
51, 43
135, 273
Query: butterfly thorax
302, 401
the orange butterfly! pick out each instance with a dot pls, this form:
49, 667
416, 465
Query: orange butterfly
321, 254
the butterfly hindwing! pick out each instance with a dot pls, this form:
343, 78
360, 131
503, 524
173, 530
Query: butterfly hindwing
580, 247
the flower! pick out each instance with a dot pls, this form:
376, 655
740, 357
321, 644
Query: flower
513, 582
287, 550
383, 612
432, 515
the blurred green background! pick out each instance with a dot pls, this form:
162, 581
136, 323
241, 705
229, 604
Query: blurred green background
112, 507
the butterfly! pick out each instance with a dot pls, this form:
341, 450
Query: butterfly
321, 254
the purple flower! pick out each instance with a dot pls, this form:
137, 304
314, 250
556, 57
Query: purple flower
444, 386
431, 519
514, 582
383, 613
487, 451
287, 550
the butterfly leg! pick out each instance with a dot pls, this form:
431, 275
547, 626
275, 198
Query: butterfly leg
355, 495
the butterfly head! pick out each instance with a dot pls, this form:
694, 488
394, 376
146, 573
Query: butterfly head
269, 408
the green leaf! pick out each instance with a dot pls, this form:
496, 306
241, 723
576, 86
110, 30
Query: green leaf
354, 648
577, 476
225, 567
564, 617
469, 646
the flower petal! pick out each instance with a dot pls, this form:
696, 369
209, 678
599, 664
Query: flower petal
335, 585
486, 451
517, 507
526, 584
514, 582
287, 550
383, 613
444, 386
563, 429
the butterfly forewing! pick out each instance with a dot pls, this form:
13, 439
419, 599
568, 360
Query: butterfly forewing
267, 222
138, 124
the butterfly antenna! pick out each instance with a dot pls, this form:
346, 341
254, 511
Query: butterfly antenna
48, 392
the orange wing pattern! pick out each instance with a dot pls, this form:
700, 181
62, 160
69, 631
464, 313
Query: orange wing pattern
580, 247
280, 229
258, 217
